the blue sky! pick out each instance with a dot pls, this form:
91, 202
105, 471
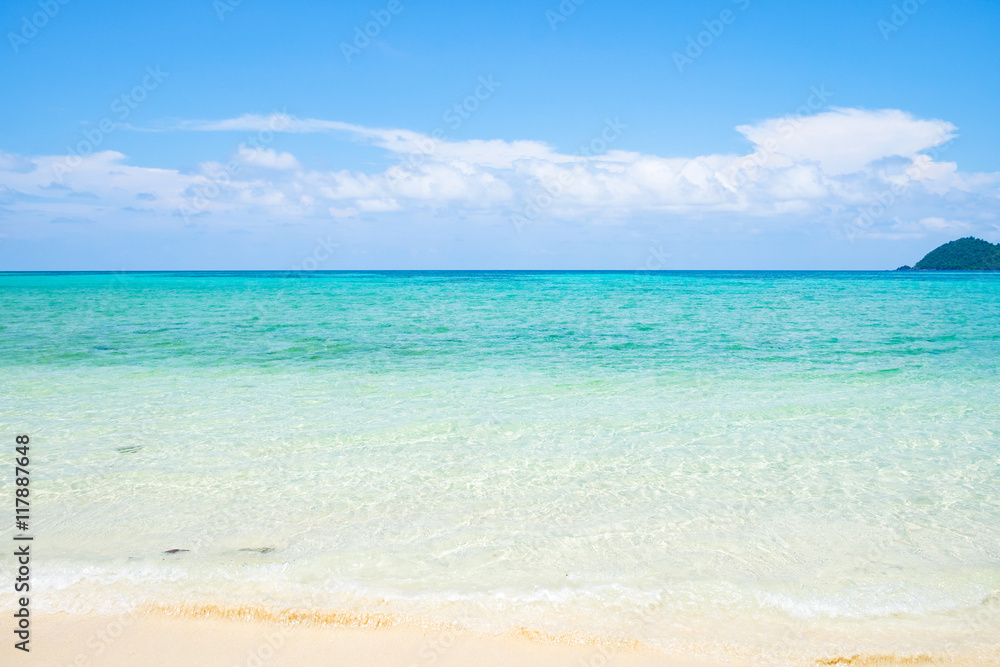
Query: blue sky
640, 135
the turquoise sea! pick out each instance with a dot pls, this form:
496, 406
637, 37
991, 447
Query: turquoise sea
749, 466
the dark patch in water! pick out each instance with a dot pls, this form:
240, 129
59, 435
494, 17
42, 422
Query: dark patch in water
175, 551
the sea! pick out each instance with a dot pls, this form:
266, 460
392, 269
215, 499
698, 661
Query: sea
758, 467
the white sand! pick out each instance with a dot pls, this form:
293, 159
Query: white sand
155, 638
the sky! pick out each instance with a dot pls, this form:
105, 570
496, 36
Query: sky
524, 134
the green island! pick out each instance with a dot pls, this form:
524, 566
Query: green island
968, 254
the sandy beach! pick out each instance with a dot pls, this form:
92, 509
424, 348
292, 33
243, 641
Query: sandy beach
157, 638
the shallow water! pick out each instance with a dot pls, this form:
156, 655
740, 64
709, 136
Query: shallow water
754, 464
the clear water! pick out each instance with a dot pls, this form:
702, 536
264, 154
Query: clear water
762, 465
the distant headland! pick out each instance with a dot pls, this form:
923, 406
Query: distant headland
968, 254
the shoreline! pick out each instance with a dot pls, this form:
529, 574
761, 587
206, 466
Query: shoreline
242, 637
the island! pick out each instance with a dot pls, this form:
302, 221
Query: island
968, 254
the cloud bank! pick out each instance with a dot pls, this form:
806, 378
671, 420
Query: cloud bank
862, 172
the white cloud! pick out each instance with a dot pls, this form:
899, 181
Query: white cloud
267, 158
378, 205
842, 141
829, 167
92, 185
937, 224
